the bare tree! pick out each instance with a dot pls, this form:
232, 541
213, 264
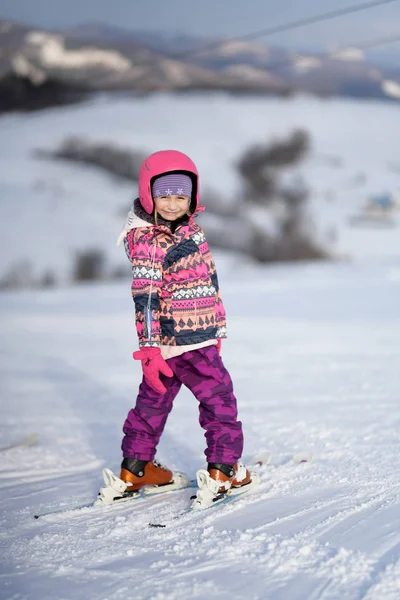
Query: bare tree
259, 165
120, 162
276, 212
89, 265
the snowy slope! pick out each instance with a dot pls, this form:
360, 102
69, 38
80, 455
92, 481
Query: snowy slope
317, 370
49, 210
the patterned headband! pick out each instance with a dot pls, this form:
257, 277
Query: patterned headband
172, 183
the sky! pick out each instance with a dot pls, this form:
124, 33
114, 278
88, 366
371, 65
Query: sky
228, 18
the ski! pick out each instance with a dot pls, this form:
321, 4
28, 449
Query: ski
92, 507
147, 494
29, 440
259, 460
104, 500
114, 487
302, 457
229, 496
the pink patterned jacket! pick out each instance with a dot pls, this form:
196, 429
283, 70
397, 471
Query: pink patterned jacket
175, 284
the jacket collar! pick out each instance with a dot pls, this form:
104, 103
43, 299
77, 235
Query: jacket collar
144, 216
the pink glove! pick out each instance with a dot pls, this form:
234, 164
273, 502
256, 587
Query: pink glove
153, 364
219, 344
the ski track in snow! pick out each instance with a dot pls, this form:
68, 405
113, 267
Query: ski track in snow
324, 530
314, 354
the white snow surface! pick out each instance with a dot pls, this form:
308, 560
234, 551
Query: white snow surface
48, 209
314, 354
52, 53
313, 350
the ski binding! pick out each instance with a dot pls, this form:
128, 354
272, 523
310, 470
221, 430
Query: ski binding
208, 493
116, 490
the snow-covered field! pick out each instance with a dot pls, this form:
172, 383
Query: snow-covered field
316, 370
50, 209
314, 352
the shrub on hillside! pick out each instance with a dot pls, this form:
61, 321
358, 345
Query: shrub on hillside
259, 165
121, 162
275, 208
18, 275
89, 265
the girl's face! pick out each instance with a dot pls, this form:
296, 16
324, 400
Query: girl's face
171, 207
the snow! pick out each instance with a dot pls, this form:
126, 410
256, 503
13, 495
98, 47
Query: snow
251, 73
306, 63
23, 67
320, 373
313, 350
176, 72
350, 54
234, 47
53, 53
49, 210
391, 88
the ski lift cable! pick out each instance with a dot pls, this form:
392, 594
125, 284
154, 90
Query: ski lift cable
297, 24
391, 39
352, 45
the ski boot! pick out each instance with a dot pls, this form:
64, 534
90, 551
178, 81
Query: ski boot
138, 476
221, 480
139, 473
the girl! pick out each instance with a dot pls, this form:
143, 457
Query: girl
180, 322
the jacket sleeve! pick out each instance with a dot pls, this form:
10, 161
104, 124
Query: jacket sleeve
220, 315
147, 269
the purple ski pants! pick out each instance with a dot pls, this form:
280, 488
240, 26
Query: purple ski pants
203, 372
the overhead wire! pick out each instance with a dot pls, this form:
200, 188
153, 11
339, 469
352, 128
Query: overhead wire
288, 61
290, 25
391, 39
326, 16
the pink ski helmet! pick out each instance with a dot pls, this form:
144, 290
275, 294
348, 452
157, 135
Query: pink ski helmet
159, 163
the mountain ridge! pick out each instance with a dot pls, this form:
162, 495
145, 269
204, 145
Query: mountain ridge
99, 57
